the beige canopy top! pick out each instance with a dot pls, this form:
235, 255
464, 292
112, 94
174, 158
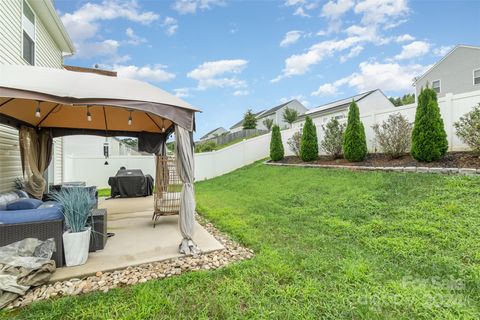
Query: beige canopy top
72, 101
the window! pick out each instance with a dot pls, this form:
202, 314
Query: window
28, 23
476, 77
436, 86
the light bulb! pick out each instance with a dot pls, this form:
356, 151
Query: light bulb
37, 111
163, 129
89, 116
130, 120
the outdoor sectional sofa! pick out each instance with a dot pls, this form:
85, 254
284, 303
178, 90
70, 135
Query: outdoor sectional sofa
40, 223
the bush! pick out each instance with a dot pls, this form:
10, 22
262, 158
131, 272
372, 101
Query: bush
309, 145
294, 143
276, 145
394, 135
468, 129
429, 140
354, 143
332, 142
205, 146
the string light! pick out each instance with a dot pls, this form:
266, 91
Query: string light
130, 118
89, 115
163, 129
37, 111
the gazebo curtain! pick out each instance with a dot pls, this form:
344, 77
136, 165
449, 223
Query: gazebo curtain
36, 153
185, 170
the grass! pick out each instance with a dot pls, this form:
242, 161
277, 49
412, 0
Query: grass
331, 244
105, 192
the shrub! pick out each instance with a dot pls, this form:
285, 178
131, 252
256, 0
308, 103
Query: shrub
76, 203
394, 135
468, 129
290, 115
309, 145
205, 146
276, 145
268, 123
429, 140
249, 120
294, 143
332, 142
354, 142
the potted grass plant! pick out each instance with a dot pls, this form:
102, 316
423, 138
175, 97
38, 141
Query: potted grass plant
77, 205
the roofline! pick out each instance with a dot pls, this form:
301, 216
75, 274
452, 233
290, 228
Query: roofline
47, 12
269, 112
415, 80
366, 94
212, 131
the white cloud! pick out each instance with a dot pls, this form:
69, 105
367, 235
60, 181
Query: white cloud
220, 73
382, 11
442, 51
374, 75
290, 37
133, 38
355, 51
404, 38
302, 7
84, 23
182, 92
335, 9
327, 89
171, 25
155, 73
191, 6
239, 93
299, 64
413, 50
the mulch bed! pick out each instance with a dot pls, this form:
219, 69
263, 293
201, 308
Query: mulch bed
451, 160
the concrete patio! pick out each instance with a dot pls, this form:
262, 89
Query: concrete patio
136, 241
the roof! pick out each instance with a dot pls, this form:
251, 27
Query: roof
441, 60
47, 13
210, 132
339, 103
241, 121
275, 109
91, 70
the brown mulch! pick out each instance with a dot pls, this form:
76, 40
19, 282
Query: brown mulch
451, 160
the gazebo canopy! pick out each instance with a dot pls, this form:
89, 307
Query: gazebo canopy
72, 102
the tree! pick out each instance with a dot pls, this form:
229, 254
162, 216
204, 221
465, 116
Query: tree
132, 142
309, 145
394, 135
249, 120
290, 115
294, 143
429, 139
276, 145
468, 129
408, 98
332, 142
268, 123
354, 143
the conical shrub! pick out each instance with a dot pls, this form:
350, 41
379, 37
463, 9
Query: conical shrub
309, 144
429, 139
354, 142
276, 146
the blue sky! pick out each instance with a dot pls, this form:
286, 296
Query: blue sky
228, 56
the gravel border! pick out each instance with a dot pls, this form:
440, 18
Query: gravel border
459, 171
105, 281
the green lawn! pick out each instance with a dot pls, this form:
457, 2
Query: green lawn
330, 244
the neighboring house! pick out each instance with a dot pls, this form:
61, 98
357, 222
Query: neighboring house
368, 102
276, 114
239, 125
31, 33
457, 72
214, 133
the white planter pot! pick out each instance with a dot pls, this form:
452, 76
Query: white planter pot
75, 245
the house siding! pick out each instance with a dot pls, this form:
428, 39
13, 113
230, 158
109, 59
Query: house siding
47, 54
455, 72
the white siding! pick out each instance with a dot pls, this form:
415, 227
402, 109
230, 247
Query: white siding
47, 54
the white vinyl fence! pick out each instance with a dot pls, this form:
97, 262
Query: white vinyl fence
216, 163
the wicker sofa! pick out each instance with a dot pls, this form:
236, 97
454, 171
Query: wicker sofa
42, 224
